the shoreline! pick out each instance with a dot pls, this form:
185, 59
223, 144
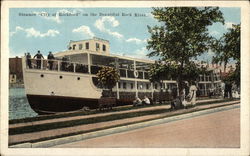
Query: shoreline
16, 85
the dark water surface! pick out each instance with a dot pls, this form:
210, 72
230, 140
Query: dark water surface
18, 104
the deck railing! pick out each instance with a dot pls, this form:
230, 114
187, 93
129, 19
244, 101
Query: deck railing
56, 65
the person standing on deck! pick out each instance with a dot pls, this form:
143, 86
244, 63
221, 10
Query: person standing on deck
64, 63
39, 57
192, 92
50, 57
28, 58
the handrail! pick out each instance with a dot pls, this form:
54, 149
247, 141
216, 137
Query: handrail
55, 64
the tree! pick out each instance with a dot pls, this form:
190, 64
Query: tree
159, 72
192, 71
108, 77
182, 35
228, 47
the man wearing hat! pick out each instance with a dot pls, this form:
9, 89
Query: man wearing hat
39, 57
50, 57
28, 58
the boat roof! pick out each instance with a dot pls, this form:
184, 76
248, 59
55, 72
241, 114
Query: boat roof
94, 38
70, 52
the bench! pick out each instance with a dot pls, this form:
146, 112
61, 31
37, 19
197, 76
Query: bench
106, 103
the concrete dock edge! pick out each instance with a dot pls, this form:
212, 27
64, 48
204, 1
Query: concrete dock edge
69, 139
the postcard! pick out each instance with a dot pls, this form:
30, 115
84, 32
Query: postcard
125, 78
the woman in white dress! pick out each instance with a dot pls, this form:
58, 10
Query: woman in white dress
192, 93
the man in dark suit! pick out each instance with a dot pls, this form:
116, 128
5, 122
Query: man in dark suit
39, 57
50, 57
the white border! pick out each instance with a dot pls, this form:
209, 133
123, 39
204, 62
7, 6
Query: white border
245, 100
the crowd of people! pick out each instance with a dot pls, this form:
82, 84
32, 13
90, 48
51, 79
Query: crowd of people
39, 57
188, 96
145, 101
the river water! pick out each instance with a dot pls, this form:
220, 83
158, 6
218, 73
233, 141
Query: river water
18, 104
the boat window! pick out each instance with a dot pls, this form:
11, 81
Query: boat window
140, 87
80, 68
119, 85
201, 77
209, 78
146, 76
156, 86
147, 86
122, 73
97, 46
80, 46
104, 47
95, 69
74, 47
140, 75
124, 85
131, 85
162, 85
87, 45
131, 74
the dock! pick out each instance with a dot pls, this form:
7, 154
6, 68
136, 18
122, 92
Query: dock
55, 131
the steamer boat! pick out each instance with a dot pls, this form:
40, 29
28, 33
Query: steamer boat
72, 85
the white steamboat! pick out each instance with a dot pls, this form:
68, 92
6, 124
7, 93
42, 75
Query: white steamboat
71, 85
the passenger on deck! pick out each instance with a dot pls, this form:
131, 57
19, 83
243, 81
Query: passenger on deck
146, 101
28, 58
38, 56
64, 63
50, 57
137, 101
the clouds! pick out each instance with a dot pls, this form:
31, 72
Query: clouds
218, 29
136, 40
32, 32
139, 53
100, 25
14, 53
84, 30
229, 25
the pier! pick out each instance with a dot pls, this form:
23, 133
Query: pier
53, 130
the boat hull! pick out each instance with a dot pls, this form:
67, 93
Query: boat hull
43, 104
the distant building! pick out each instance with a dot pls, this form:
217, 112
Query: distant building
12, 78
15, 70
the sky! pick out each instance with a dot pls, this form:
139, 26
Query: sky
49, 29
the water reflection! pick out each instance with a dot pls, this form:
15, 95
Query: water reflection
18, 104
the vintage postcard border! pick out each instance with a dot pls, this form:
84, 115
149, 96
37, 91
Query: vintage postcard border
245, 62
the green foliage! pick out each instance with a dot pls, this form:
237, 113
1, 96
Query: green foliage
165, 71
184, 32
107, 77
182, 35
192, 71
159, 72
228, 47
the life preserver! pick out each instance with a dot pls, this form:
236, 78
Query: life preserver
136, 74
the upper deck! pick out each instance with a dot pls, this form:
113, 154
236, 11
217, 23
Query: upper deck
95, 47
92, 45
